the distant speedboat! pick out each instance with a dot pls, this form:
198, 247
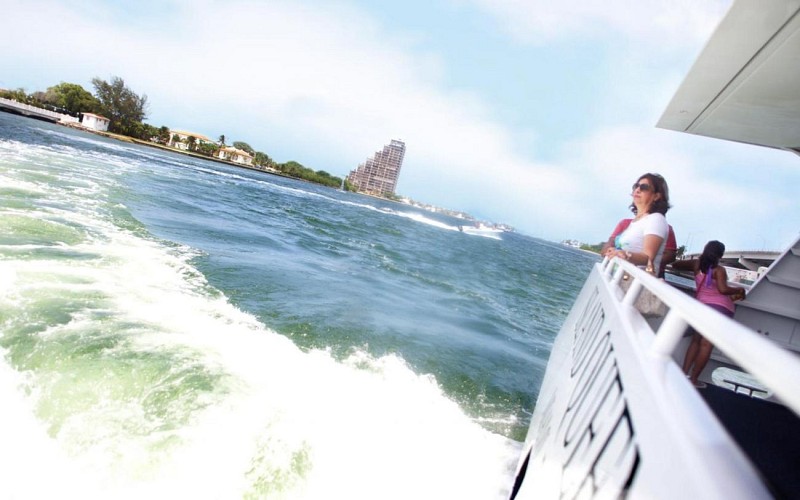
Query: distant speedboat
481, 229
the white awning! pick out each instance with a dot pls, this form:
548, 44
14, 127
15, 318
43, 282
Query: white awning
745, 85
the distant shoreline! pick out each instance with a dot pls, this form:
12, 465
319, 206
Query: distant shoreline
133, 140
162, 147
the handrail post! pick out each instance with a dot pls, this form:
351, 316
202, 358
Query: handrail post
618, 272
606, 267
633, 292
669, 334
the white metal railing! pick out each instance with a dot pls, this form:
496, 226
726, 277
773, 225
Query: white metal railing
773, 366
39, 111
615, 416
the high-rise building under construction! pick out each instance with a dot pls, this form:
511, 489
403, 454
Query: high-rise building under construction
378, 175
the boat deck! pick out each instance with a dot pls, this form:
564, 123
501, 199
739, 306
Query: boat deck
768, 433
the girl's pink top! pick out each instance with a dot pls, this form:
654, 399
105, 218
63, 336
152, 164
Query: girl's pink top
707, 292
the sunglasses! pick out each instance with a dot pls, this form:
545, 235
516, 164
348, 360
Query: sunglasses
642, 187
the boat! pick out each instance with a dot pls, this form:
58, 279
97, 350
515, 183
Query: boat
481, 229
616, 416
744, 268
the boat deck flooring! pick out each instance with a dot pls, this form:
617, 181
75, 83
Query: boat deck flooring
768, 433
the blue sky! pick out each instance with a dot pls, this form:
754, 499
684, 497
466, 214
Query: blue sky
535, 113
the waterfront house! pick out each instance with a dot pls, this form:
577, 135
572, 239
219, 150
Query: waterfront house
179, 139
235, 155
95, 122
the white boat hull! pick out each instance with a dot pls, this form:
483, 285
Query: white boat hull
616, 416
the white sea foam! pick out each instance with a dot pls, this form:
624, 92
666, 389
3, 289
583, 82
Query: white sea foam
34, 464
88, 139
426, 220
266, 420
302, 423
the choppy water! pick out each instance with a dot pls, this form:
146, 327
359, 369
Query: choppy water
180, 328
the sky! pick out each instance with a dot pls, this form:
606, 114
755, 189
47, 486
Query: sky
533, 113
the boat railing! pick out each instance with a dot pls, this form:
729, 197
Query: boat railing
616, 415
775, 367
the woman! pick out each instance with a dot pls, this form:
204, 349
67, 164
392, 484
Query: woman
713, 290
642, 242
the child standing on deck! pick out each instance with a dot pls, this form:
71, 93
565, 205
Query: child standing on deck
713, 290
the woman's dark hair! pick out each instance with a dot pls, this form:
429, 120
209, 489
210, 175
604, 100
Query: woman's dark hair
712, 252
660, 205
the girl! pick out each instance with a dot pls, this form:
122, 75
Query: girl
714, 291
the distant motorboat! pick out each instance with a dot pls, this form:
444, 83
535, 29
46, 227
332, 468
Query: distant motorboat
481, 229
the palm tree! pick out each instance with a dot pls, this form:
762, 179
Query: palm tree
222, 139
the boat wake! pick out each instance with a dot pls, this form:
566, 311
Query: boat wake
127, 373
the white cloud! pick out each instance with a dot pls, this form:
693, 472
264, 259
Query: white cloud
329, 85
666, 23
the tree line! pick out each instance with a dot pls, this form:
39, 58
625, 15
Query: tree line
127, 111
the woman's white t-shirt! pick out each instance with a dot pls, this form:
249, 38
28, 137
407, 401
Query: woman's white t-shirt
632, 239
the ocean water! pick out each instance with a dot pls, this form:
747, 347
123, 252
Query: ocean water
180, 328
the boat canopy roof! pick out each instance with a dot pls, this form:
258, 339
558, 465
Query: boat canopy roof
745, 85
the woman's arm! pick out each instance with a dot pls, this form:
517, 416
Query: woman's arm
654, 230
721, 278
651, 245
609, 244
